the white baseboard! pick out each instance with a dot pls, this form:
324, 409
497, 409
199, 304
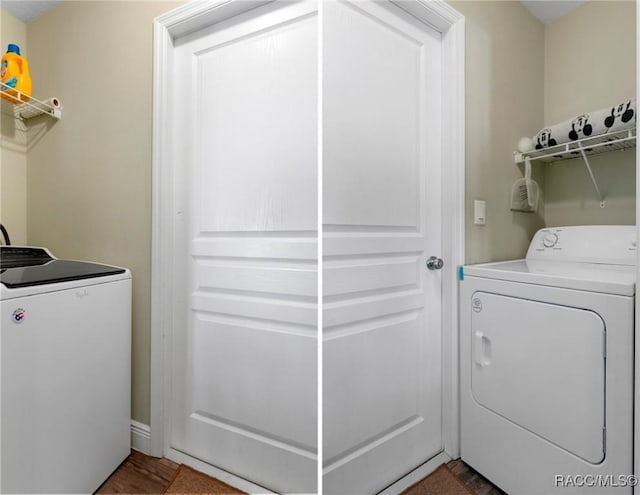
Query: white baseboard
416, 475
140, 437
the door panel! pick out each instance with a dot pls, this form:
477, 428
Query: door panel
381, 308
541, 366
263, 349
256, 93
390, 342
370, 274
372, 84
245, 339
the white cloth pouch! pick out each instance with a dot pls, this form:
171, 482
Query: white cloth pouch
606, 120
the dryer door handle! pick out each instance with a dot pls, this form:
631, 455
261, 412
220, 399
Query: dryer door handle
481, 349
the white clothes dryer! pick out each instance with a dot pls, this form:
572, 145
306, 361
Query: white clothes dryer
547, 346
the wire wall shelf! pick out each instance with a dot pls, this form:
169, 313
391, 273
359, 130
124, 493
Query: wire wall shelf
592, 145
26, 107
583, 148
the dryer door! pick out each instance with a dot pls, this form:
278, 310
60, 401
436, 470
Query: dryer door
542, 367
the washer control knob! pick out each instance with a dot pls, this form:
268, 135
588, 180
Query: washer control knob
550, 240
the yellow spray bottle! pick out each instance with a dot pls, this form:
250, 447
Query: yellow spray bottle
14, 75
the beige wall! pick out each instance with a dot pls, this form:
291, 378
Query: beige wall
13, 158
590, 63
504, 101
521, 75
89, 177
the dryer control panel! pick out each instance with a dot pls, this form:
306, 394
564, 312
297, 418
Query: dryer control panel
613, 244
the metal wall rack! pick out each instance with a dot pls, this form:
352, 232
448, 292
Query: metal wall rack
30, 103
592, 145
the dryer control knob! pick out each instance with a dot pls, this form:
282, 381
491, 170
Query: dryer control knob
550, 240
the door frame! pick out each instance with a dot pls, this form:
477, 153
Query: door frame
197, 15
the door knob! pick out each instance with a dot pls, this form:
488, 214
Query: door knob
435, 263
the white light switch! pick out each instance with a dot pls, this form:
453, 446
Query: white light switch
479, 212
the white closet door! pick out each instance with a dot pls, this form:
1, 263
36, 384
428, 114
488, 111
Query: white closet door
382, 220
244, 341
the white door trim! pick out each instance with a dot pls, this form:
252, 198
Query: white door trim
453, 194
196, 15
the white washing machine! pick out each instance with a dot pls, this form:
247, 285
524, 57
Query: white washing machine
65, 370
547, 346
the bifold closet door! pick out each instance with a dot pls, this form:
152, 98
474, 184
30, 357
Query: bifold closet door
244, 343
382, 391
244, 337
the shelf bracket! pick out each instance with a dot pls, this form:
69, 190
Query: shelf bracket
593, 179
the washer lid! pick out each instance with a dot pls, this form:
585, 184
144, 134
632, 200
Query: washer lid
592, 277
54, 271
